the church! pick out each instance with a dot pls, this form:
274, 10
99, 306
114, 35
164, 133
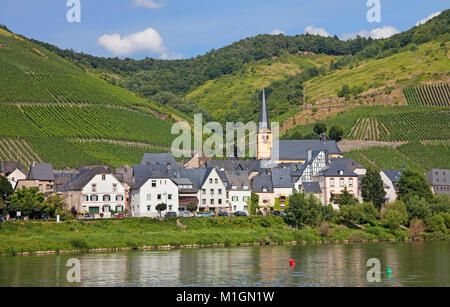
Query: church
290, 151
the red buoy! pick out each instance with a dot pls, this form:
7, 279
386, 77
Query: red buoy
292, 262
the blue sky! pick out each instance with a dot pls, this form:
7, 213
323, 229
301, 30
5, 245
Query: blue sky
187, 28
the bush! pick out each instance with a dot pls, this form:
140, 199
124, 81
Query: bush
325, 229
418, 209
394, 215
79, 244
358, 214
416, 228
436, 223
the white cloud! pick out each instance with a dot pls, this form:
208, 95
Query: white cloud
277, 32
316, 31
150, 4
148, 40
384, 32
425, 20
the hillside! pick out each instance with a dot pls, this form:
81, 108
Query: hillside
50, 108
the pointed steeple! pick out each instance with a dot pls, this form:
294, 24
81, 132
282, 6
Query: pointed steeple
263, 115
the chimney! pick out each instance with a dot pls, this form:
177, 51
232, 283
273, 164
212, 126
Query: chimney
324, 137
309, 155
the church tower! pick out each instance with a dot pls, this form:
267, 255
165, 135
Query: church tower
264, 137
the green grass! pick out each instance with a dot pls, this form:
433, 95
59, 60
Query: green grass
32, 236
417, 156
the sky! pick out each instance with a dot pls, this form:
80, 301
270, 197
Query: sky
172, 29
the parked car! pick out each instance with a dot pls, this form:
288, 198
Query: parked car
240, 213
276, 213
205, 214
120, 216
85, 216
223, 213
168, 214
185, 214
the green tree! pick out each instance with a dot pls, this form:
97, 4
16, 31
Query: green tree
54, 205
5, 187
358, 214
394, 214
437, 223
161, 207
345, 199
440, 203
252, 204
336, 133
319, 128
345, 90
303, 210
417, 208
29, 201
192, 207
413, 183
372, 188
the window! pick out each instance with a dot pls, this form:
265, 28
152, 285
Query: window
103, 177
216, 181
114, 187
153, 183
332, 182
203, 191
106, 198
245, 187
341, 182
350, 182
211, 201
169, 196
85, 198
94, 188
106, 208
119, 197
204, 201
234, 187
149, 208
235, 198
149, 197
94, 198
210, 180
245, 198
40, 187
234, 208
211, 192
159, 196
220, 191
170, 207
49, 187
220, 201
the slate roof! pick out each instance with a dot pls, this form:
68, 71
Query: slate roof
263, 115
125, 173
311, 187
348, 163
40, 171
11, 166
281, 178
196, 175
79, 182
152, 174
165, 160
393, 175
298, 149
335, 169
235, 165
261, 181
238, 179
442, 177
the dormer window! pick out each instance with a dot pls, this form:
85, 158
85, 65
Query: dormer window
245, 187
234, 187
94, 188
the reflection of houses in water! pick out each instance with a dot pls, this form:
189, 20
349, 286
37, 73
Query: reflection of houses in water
104, 269
269, 263
155, 268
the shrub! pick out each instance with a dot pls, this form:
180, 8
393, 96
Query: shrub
359, 235
79, 243
358, 214
394, 215
437, 223
416, 228
417, 209
325, 229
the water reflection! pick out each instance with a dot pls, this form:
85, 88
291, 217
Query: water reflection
413, 264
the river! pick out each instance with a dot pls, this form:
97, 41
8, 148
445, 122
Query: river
412, 264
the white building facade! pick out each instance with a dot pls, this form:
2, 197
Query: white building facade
213, 194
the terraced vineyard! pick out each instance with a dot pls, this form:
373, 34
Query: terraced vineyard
18, 150
431, 95
420, 156
368, 129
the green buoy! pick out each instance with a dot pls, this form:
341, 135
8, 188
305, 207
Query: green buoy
389, 272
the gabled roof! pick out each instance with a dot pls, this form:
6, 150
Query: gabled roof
393, 175
165, 160
238, 179
152, 174
196, 175
83, 178
298, 149
281, 178
235, 165
9, 167
262, 181
311, 187
348, 163
40, 171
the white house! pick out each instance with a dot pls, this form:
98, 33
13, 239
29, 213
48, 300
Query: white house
213, 193
238, 190
13, 171
282, 185
147, 193
390, 179
97, 191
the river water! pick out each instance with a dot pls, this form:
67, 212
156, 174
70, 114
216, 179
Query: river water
412, 264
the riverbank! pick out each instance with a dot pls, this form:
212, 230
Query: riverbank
37, 237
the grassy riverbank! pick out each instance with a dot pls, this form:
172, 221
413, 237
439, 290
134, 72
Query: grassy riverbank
20, 237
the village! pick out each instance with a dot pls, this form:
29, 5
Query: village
160, 186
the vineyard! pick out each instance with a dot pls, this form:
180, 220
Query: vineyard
416, 155
368, 129
431, 95
84, 122
18, 150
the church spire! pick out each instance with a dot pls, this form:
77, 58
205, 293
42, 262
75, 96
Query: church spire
263, 115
